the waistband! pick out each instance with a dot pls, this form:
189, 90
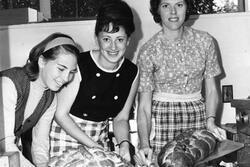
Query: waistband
169, 97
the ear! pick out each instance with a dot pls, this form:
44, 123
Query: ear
41, 61
96, 41
128, 41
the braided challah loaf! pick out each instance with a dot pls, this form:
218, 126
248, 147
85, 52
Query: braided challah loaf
187, 149
79, 158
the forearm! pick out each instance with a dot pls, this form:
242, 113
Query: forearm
69, 125
212, 101
211, 104
144, 128
40, 151
211, 107
121, 130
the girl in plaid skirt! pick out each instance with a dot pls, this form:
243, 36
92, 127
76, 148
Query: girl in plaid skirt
173, 65
105, 88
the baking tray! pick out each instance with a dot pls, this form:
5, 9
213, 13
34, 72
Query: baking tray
224, 147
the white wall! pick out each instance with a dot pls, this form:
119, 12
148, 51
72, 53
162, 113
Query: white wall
17, 40
230, 30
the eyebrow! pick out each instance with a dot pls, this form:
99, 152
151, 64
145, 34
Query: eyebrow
74, 70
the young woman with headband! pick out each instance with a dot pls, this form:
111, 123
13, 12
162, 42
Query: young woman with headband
29, 99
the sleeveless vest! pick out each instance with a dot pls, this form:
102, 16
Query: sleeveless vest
24, 130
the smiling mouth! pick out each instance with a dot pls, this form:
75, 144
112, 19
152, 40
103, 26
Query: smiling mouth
173, 19
113, 53
59, 84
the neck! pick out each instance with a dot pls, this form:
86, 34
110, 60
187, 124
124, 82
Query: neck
105, 63
40, 84
173, 35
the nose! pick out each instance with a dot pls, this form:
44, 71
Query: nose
173, 10
65, 77
113, 45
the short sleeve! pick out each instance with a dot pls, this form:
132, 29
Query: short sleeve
145, 65
212, 65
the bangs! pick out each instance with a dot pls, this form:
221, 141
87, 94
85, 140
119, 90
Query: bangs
111, 28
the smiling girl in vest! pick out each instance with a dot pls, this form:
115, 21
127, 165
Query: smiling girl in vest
29, 99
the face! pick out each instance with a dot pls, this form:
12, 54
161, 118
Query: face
112, 46
173, 13
55, 73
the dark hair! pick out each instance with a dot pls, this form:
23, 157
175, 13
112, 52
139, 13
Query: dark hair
31, 67
116, 12
154, 6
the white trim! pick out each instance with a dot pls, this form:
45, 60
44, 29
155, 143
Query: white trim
103, 69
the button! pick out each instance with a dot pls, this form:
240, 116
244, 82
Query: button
98, 74
117, 75
85, 114
115, 97
93, 97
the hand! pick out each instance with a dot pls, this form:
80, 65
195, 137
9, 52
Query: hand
125, 154
144, 156
84, 151
42, 165
124, 151
217, 131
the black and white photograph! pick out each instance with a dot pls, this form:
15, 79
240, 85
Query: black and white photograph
131, 83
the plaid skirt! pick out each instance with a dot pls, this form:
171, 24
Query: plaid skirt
60, 141
172, 118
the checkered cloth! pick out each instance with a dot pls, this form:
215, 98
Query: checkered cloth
172, 118
60, 141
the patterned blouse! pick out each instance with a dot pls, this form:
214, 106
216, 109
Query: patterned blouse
177, 67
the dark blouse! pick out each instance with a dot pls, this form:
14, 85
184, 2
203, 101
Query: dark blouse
102, 94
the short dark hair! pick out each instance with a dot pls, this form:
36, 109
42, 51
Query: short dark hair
116, 12
154, 6
31, 67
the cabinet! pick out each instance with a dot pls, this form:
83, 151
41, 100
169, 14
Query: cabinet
243, 130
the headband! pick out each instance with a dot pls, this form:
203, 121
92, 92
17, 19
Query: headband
59, 41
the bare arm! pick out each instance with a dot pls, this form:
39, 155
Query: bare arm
65, 100
211, 107
144, 118
121, 122
144, 126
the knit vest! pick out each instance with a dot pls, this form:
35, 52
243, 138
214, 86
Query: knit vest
22, 84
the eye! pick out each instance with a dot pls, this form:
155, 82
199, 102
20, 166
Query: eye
121, 40
180, 5
73, 72
105, 39
164, 5
60, 69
